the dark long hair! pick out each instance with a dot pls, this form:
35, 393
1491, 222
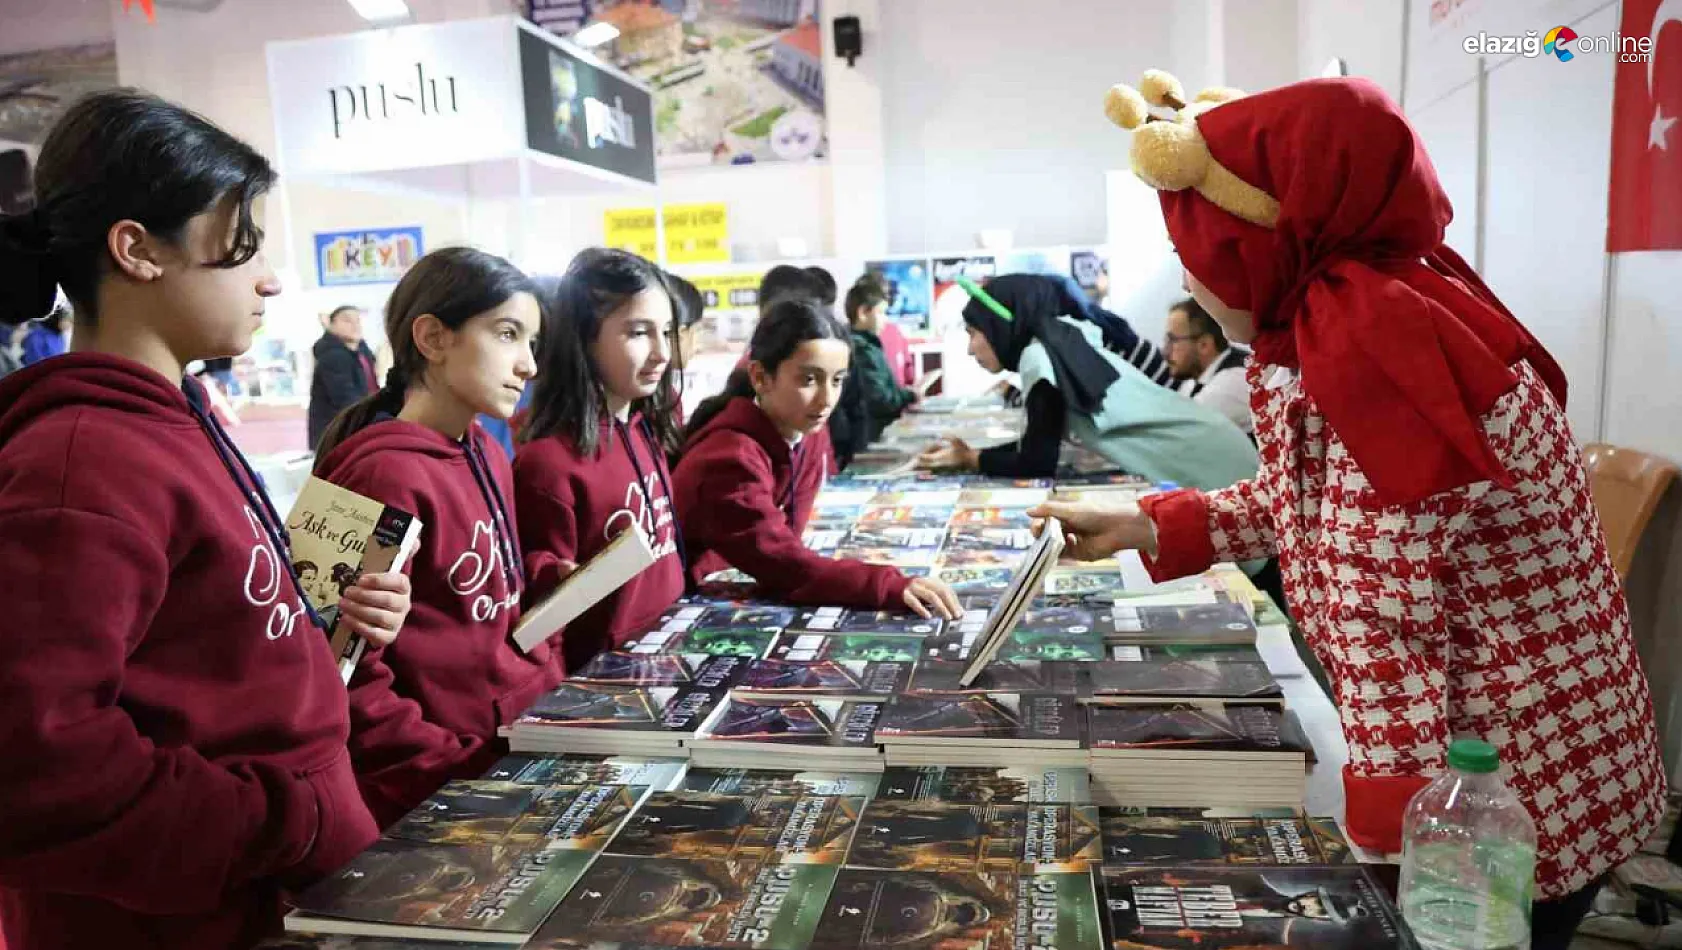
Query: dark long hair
454, 284
783, 326
121, 155
569, 400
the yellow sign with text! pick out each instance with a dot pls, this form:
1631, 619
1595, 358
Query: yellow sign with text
695, 233
728, 291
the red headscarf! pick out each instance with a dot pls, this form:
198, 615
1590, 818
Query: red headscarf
1402, 347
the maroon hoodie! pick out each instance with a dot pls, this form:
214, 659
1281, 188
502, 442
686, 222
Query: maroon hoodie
572, 505
744, 496
425, 710
173, 722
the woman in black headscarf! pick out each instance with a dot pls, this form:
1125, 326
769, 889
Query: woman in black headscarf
1076, 387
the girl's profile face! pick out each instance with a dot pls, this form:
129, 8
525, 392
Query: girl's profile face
633, 347
214, 311
803, 391
487, 361
982, 350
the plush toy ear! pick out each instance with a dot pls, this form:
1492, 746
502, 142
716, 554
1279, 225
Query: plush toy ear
1125, 107
1169, 156
1162, 89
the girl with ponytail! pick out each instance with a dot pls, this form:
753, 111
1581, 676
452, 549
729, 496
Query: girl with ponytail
461, 325
592, 459
755, 458
166, 680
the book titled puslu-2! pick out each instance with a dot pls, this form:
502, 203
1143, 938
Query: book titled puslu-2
336, 536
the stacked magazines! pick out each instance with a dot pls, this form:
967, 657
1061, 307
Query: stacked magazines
1205, 753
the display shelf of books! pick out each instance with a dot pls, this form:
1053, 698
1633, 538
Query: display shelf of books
1129, 769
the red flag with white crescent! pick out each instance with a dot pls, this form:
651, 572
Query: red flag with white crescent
1645, 203
146, 5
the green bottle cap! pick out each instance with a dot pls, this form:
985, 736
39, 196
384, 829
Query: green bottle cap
1473, 755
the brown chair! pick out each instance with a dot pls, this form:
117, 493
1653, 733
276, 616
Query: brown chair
1627, 486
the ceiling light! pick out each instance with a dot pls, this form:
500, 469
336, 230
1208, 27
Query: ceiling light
595, 35
381, 11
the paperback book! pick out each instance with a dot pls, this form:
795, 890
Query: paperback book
768, 829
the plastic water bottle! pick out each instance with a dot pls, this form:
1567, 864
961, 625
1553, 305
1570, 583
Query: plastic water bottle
1469, 857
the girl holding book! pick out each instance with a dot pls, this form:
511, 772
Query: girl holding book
755, 457
1419, 482
592, 462
461, 325
174, 712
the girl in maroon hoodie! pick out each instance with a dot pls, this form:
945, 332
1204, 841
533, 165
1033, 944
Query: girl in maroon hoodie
755, 458
461, 324
173, 718
593, 458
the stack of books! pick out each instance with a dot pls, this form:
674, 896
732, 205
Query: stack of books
790, 732
1032, 730
1194, 754
1153, 681
609, 719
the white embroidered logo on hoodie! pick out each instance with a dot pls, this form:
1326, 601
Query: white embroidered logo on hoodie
263, 577
473, 570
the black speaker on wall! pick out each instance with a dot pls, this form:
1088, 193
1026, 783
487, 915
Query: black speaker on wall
16, 192
849, 38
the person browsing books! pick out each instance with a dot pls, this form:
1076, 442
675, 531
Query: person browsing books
175, 712
884, 398
426, 709
1438, 539
1077, 388
593, 458
754, 459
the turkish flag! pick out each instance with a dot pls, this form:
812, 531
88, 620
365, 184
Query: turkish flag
1645, 205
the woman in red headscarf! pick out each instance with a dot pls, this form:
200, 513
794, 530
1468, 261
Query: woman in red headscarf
1419, 483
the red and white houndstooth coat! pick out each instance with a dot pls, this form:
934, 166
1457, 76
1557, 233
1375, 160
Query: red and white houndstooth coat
1479, 612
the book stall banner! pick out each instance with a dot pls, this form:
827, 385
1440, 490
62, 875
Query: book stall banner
695, 233
910, 292
376, 256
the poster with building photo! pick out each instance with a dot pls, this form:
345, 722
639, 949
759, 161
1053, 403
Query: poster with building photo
735, 81
910, 292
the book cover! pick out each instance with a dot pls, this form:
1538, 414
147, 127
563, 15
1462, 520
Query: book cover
976, 580
800, 722
909, 835
1083, 582
981, 785
826, 677
1002, 497
690, 902
335, 536
1149, 836
905, 516
1183, 677
1213, 652
631, 708
978, 558
893, 557
1210, 728
993, 516
1058, 912
1194, 623
967, 537
395, 885
744, 644
1205, 908
654, 669
1003, 717
626, 556
1049, 645
1062, 839
780, 782
774, 829
771, 618
797, 647
586, 770
1014, 676
480, 812
301, 941
849, 620
894, 536
917, 910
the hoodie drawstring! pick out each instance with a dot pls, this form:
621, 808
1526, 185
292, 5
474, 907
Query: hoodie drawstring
665, 486
256, 498
512, 569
